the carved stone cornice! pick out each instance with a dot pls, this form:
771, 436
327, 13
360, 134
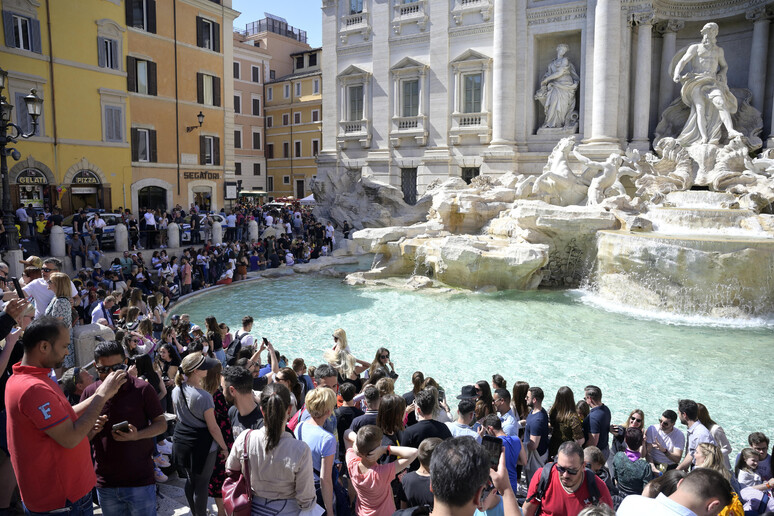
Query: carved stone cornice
760, 13
704, 10
666, 26
642, 18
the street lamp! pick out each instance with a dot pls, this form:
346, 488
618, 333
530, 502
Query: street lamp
200, 118
34, 106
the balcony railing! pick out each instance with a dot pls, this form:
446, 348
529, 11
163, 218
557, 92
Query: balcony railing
353, 24
464, 7
408, 127
473, 124
406, 13
354, 130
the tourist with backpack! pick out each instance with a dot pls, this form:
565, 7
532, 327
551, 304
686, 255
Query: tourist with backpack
242, 339
566, 487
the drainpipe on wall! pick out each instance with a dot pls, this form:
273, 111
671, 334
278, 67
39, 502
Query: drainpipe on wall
177, 98
53, 99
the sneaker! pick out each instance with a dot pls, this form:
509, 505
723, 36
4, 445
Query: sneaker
161, 461
164, 447
159, 476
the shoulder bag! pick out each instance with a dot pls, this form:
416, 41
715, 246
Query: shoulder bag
237, 493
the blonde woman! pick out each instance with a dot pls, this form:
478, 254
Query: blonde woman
197, 435
320, 402
61, 307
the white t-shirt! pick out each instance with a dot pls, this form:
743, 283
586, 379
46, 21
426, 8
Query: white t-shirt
637, 505
150, 220
99, 223
39, 292
269, 220
675, 440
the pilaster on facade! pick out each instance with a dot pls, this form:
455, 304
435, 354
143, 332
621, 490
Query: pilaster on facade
409, 13
465, 7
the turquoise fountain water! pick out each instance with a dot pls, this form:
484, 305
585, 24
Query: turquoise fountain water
547, 338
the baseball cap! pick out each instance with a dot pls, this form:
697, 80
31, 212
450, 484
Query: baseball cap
33, 261
205, 364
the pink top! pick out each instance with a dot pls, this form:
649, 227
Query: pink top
374, 494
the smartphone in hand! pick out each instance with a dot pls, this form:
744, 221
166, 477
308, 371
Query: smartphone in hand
494, 447
17, 286
123, 426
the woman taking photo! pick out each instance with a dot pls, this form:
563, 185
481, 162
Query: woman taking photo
61, 307
281, 474
197, 435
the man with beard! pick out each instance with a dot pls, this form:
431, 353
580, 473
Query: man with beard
244, 413
536, 432
44, 430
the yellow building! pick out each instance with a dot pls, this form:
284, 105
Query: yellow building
293, 121
179, 65
80, 156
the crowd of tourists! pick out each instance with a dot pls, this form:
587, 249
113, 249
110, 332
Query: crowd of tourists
170, 396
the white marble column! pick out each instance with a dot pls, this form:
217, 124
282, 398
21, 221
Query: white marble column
669, 29
756, 79
608, 25
504, 74
644, 22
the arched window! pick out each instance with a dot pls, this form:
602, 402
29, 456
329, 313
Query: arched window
153, 197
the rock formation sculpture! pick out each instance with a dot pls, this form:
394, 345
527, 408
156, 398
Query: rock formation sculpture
557, 93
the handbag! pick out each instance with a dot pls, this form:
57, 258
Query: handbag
237, 493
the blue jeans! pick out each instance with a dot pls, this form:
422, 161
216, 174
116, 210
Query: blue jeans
82, 507
136, 501
221, 355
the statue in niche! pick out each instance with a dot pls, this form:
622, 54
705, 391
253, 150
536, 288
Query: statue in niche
705, 90
557, 93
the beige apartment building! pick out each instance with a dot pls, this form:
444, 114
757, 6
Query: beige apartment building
251, 72
294, 126
178, 67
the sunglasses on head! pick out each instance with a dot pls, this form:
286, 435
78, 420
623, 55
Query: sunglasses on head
110, 368
569, 471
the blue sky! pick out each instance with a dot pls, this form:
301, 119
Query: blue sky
302, 14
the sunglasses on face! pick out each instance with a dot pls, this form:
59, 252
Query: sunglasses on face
636, 420
335, 338
569, 471
384, 356
46, 269
110, 368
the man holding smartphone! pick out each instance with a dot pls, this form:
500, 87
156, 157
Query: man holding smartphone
123, 449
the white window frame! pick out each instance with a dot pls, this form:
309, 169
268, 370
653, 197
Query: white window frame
269, 183
316, 142
238, 69
285, 180
253, 98
238, 129
298, 89
143, 134
286, 91
113, 99
270, 93
21, 26
260, 140
109, 43
269, 121
474, 124
110, 30
238, 95
237, 168
297, 118
316, 87
252, 73
298, 149
285, 119
408, 126
354, 130
208, 28
315, 115
209, 147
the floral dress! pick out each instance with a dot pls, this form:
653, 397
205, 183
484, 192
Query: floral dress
62, 307
215, 489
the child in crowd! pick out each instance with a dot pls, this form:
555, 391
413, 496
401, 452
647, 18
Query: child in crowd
416, 484
745, 468
370, 479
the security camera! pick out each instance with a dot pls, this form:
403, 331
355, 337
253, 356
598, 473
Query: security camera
15, 154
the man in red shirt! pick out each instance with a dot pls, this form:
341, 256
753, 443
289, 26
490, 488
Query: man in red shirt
47, 438
567, 492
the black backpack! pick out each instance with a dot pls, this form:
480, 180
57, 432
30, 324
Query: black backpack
545, 480
232, 352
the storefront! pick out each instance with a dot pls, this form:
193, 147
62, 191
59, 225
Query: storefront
31, 188
86, 190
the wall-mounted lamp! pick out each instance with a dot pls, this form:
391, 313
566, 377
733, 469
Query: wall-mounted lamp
200, 118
